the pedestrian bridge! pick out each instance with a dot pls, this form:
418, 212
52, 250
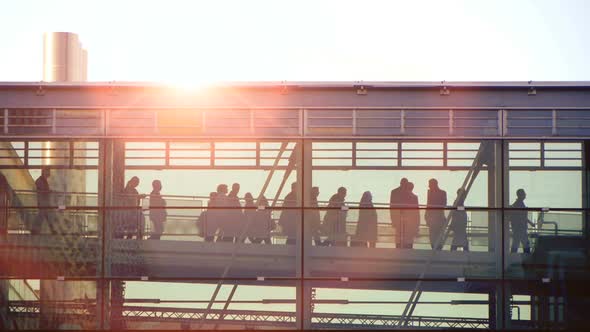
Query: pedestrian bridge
49, 256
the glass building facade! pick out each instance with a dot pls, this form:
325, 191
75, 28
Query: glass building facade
294, 206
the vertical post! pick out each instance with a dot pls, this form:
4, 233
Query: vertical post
54, 121
4, 321
402, 129
304, 238
504, 290
111, 178
554, 122
6, 121
451, 123
497, 230
354, 122
585, 186
252, 124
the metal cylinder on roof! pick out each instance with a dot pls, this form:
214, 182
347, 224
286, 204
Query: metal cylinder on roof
64, 59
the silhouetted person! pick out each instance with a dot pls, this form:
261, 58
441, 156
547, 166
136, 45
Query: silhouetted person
4, 203
410, 218
261, 223
234, 221
396, 201
459, 224
366, 226
207, 219
43, 203
290, 217
335, 218
312, 217
435, 219
157, 210
223, 216
249, 214
519, 221
133, 217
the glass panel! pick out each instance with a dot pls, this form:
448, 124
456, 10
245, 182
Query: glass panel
45, 242
545, 244
196, 223
555, 189
50, 305
386, 243
183, 305
218, 242
381, 305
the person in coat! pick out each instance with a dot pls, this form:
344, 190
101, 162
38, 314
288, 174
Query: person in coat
208, 219
396, 201
262, 222
435, 218
410, 218
158, 212
366, 227
519, 222
133, 216
290, 217
459, 224
312, 217
335, 218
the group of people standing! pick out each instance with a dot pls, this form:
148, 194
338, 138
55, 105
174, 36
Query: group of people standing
129, 221
226, 220
405, 216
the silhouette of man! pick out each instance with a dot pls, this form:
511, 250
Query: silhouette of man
133, 217
236, 218
289, 218
43, 203
459, 224
396, 201
208, 219
435, 219
157, 210
312, 216
410, 218
519, 221
335, 218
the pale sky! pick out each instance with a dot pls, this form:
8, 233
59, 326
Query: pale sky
205, 41
202, 41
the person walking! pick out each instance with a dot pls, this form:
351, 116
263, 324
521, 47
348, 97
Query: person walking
410, 218
158, 212
519, 222
290, 217
396, 202
335, 218
435, 216
43, 203
366, 226
459, 224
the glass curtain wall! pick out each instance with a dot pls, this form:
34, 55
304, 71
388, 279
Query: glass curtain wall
297, 234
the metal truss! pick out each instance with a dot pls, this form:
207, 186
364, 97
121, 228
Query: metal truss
251, 318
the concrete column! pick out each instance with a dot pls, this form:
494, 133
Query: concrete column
64, 60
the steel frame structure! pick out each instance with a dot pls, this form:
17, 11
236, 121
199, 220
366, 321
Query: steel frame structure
303, 113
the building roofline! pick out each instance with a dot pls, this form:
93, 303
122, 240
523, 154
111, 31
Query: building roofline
318, 84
